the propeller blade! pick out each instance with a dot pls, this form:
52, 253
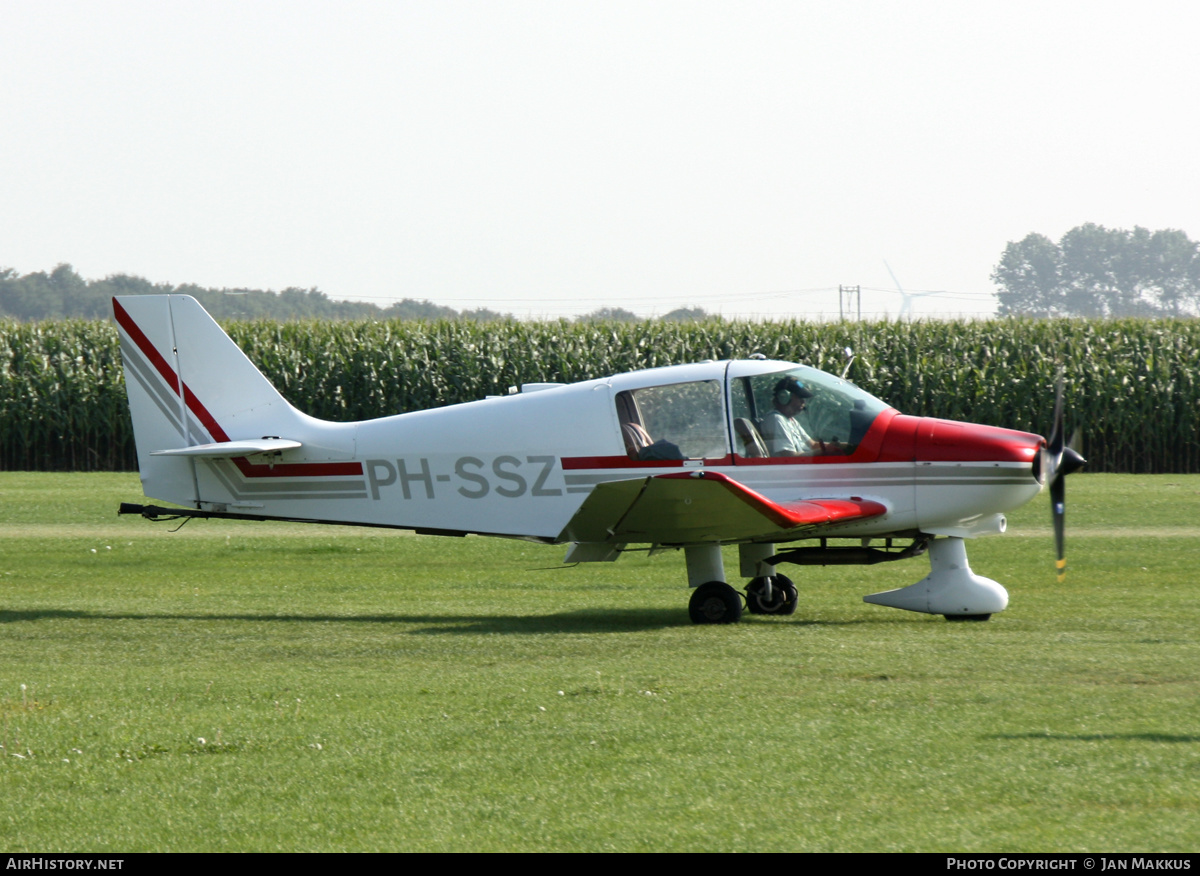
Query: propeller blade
1058, 462
1054, 444
1058, 496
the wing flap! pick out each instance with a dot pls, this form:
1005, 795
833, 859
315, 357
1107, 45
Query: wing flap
691, 507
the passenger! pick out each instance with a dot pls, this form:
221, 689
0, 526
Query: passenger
782, 434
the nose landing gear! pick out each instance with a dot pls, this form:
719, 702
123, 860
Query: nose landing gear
716, 602
771, 594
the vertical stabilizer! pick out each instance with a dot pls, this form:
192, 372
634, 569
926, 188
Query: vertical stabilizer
189, 384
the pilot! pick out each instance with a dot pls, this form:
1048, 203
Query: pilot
782, 434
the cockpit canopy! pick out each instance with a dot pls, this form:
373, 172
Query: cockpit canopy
753, 413
834, 416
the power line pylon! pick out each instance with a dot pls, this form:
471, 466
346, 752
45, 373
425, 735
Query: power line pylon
847, 296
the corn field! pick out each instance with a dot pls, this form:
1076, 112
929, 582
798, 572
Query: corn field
1131, 385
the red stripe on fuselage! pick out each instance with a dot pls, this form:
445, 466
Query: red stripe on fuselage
298, 469
575, 463
248, 469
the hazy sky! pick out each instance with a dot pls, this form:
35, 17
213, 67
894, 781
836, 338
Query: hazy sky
549, 158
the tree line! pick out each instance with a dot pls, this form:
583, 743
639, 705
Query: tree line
1093, 271
63, 294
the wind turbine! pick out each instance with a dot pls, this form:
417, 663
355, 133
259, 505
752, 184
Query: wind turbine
906, 307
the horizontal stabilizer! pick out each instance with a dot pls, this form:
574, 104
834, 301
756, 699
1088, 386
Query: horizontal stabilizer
232, 449
691, 507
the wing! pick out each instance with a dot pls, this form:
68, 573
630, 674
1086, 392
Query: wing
701, 506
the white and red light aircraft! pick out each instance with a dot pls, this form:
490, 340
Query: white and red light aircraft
670, 457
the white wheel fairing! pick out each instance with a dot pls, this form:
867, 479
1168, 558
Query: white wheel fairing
950, 588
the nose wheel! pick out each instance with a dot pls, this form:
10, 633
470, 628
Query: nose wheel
774, 594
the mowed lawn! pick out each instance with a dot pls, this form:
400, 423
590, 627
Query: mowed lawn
250, 686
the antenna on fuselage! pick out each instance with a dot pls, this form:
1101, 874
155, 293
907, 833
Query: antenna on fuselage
849, 361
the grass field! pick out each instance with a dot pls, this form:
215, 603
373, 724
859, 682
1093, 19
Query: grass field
268, 686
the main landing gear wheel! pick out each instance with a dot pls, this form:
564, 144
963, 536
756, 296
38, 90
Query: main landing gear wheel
966, 617
782, 600
715, 603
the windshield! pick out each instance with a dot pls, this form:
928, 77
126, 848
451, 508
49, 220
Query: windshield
800, 412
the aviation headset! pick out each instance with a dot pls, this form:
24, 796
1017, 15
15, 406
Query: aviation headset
788, 387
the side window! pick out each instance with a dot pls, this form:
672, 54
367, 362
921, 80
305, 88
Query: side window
801, 412
676, 421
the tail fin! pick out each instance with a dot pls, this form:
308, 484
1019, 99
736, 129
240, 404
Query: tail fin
191, 387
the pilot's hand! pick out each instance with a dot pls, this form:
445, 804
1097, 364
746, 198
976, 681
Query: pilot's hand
829, 448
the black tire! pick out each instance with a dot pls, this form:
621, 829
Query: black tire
783, 596
966, 617
715, 603
755, 604
791, 596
